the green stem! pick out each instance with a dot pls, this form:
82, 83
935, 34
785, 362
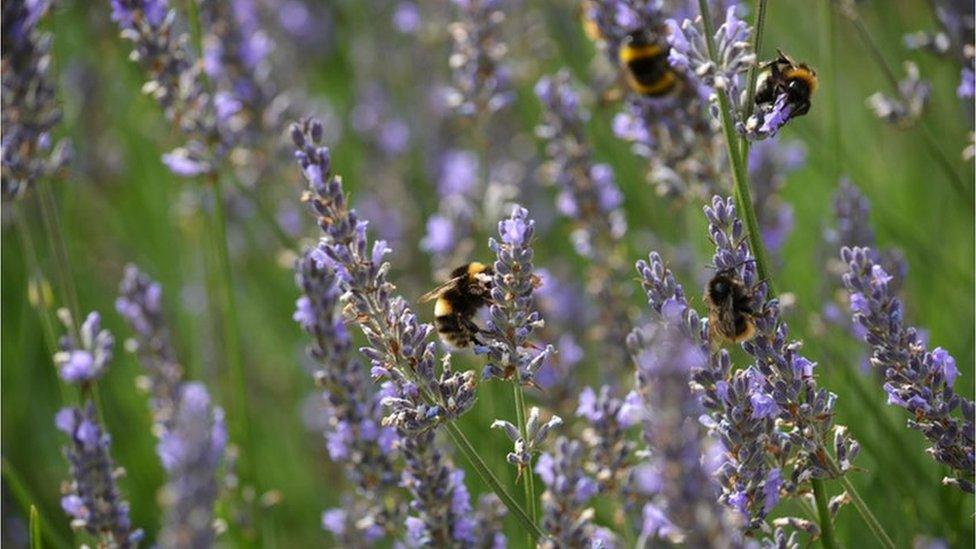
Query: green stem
758, 25
55, 235
879, 532
740, 189
464, 445
21, 493
229, 316
284, 240
832, 120
823, 513
33, 265
529, 480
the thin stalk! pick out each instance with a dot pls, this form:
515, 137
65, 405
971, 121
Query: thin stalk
229, 316
827, 537
30, 253
758, 25
35, 529
832, 120
55, 235
462, 443
284, 240
529, 480
22, 494
862, 508
740, 188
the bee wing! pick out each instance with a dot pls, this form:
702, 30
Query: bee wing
721, 319
439, 291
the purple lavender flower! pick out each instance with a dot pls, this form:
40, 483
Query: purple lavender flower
536, 434
684, 505
916, 379
354, 435
398, 348
733, 54
30, 110
909, 106
783, 385
92, 498
442, 514
481, 81
83, 359
610, 452
589, 196
512, 319
770, 416
175, 81
192, 451
565, 515
140, 304
416, 397
953, 38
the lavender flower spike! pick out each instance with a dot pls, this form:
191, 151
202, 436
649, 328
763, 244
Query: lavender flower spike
512, 317
610, 452
734, 56
398, 343
192, 451
565, 515
684, 508
536, 434
175, 79
916, 379
418, 399
30, 111
140, 304
83, 360
93, 500
481, 81
354, 435
784, 385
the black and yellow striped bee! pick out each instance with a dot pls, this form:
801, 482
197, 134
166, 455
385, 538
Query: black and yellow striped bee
644, 62
785, 76
458, 300
731, 308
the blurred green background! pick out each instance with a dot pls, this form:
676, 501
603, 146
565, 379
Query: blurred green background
119, 204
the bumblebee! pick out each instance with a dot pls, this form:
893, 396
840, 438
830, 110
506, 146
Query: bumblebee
458, 300
797, 81
731, 308
644, 62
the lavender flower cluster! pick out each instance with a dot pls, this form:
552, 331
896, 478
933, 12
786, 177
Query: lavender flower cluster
918, 380
92, 498
191, 430
30, 107
481, 81
398, 349
771, 417
507, 347
418, 399
354, 435
682, 503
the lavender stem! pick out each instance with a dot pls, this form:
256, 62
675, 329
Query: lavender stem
740, 187
823, 514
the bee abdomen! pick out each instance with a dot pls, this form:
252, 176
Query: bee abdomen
452, 331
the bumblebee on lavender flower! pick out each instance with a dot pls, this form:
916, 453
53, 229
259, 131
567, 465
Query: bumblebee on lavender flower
731, 308
783, 76
458, 300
